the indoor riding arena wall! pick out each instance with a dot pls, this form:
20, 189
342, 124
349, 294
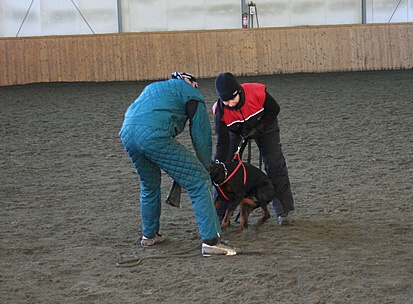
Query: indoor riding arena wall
258, 51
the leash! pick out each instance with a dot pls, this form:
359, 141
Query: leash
182, 254
240, 164
253, 252
236, 158
137, 261
249, 156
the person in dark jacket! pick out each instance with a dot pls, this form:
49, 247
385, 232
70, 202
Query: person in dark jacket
148, 133
248, 111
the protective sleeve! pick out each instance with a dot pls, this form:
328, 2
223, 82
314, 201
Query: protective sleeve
201, 134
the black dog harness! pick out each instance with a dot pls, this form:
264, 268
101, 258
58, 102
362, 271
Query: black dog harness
227, 178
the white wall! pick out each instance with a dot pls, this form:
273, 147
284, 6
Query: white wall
166, 15
60, 17
308, 12
57, 17
172, 15
381, 11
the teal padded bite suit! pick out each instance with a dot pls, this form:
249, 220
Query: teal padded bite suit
148, 134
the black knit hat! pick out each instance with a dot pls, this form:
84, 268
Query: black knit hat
227, 86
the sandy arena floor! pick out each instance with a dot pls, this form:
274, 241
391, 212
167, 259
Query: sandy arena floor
70, 204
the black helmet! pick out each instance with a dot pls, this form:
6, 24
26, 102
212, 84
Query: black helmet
183, 75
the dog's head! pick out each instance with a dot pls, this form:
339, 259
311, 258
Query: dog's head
217, 171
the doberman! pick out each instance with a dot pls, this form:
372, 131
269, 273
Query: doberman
241, 184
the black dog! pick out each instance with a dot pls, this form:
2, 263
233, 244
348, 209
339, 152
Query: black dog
241, 183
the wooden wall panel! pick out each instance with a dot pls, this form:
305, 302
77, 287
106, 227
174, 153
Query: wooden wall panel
152, 56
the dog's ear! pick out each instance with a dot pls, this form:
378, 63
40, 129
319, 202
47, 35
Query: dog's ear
211, 164
213, 170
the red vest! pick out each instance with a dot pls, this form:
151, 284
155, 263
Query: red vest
254, 104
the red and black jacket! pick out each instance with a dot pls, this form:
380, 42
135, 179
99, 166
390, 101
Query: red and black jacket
256, 109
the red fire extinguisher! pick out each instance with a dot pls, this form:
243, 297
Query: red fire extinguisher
245, 20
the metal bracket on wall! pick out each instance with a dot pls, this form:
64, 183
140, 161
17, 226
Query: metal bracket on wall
252, 11
74, 4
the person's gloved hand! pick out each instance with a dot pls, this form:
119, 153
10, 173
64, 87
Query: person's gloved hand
252, 133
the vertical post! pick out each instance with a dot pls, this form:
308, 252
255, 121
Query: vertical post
252, 11
250, 15
119, 7
363, 11
243, 12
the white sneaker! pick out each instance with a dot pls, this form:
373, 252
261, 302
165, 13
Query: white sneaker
284, 219
218, 249
146, 242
